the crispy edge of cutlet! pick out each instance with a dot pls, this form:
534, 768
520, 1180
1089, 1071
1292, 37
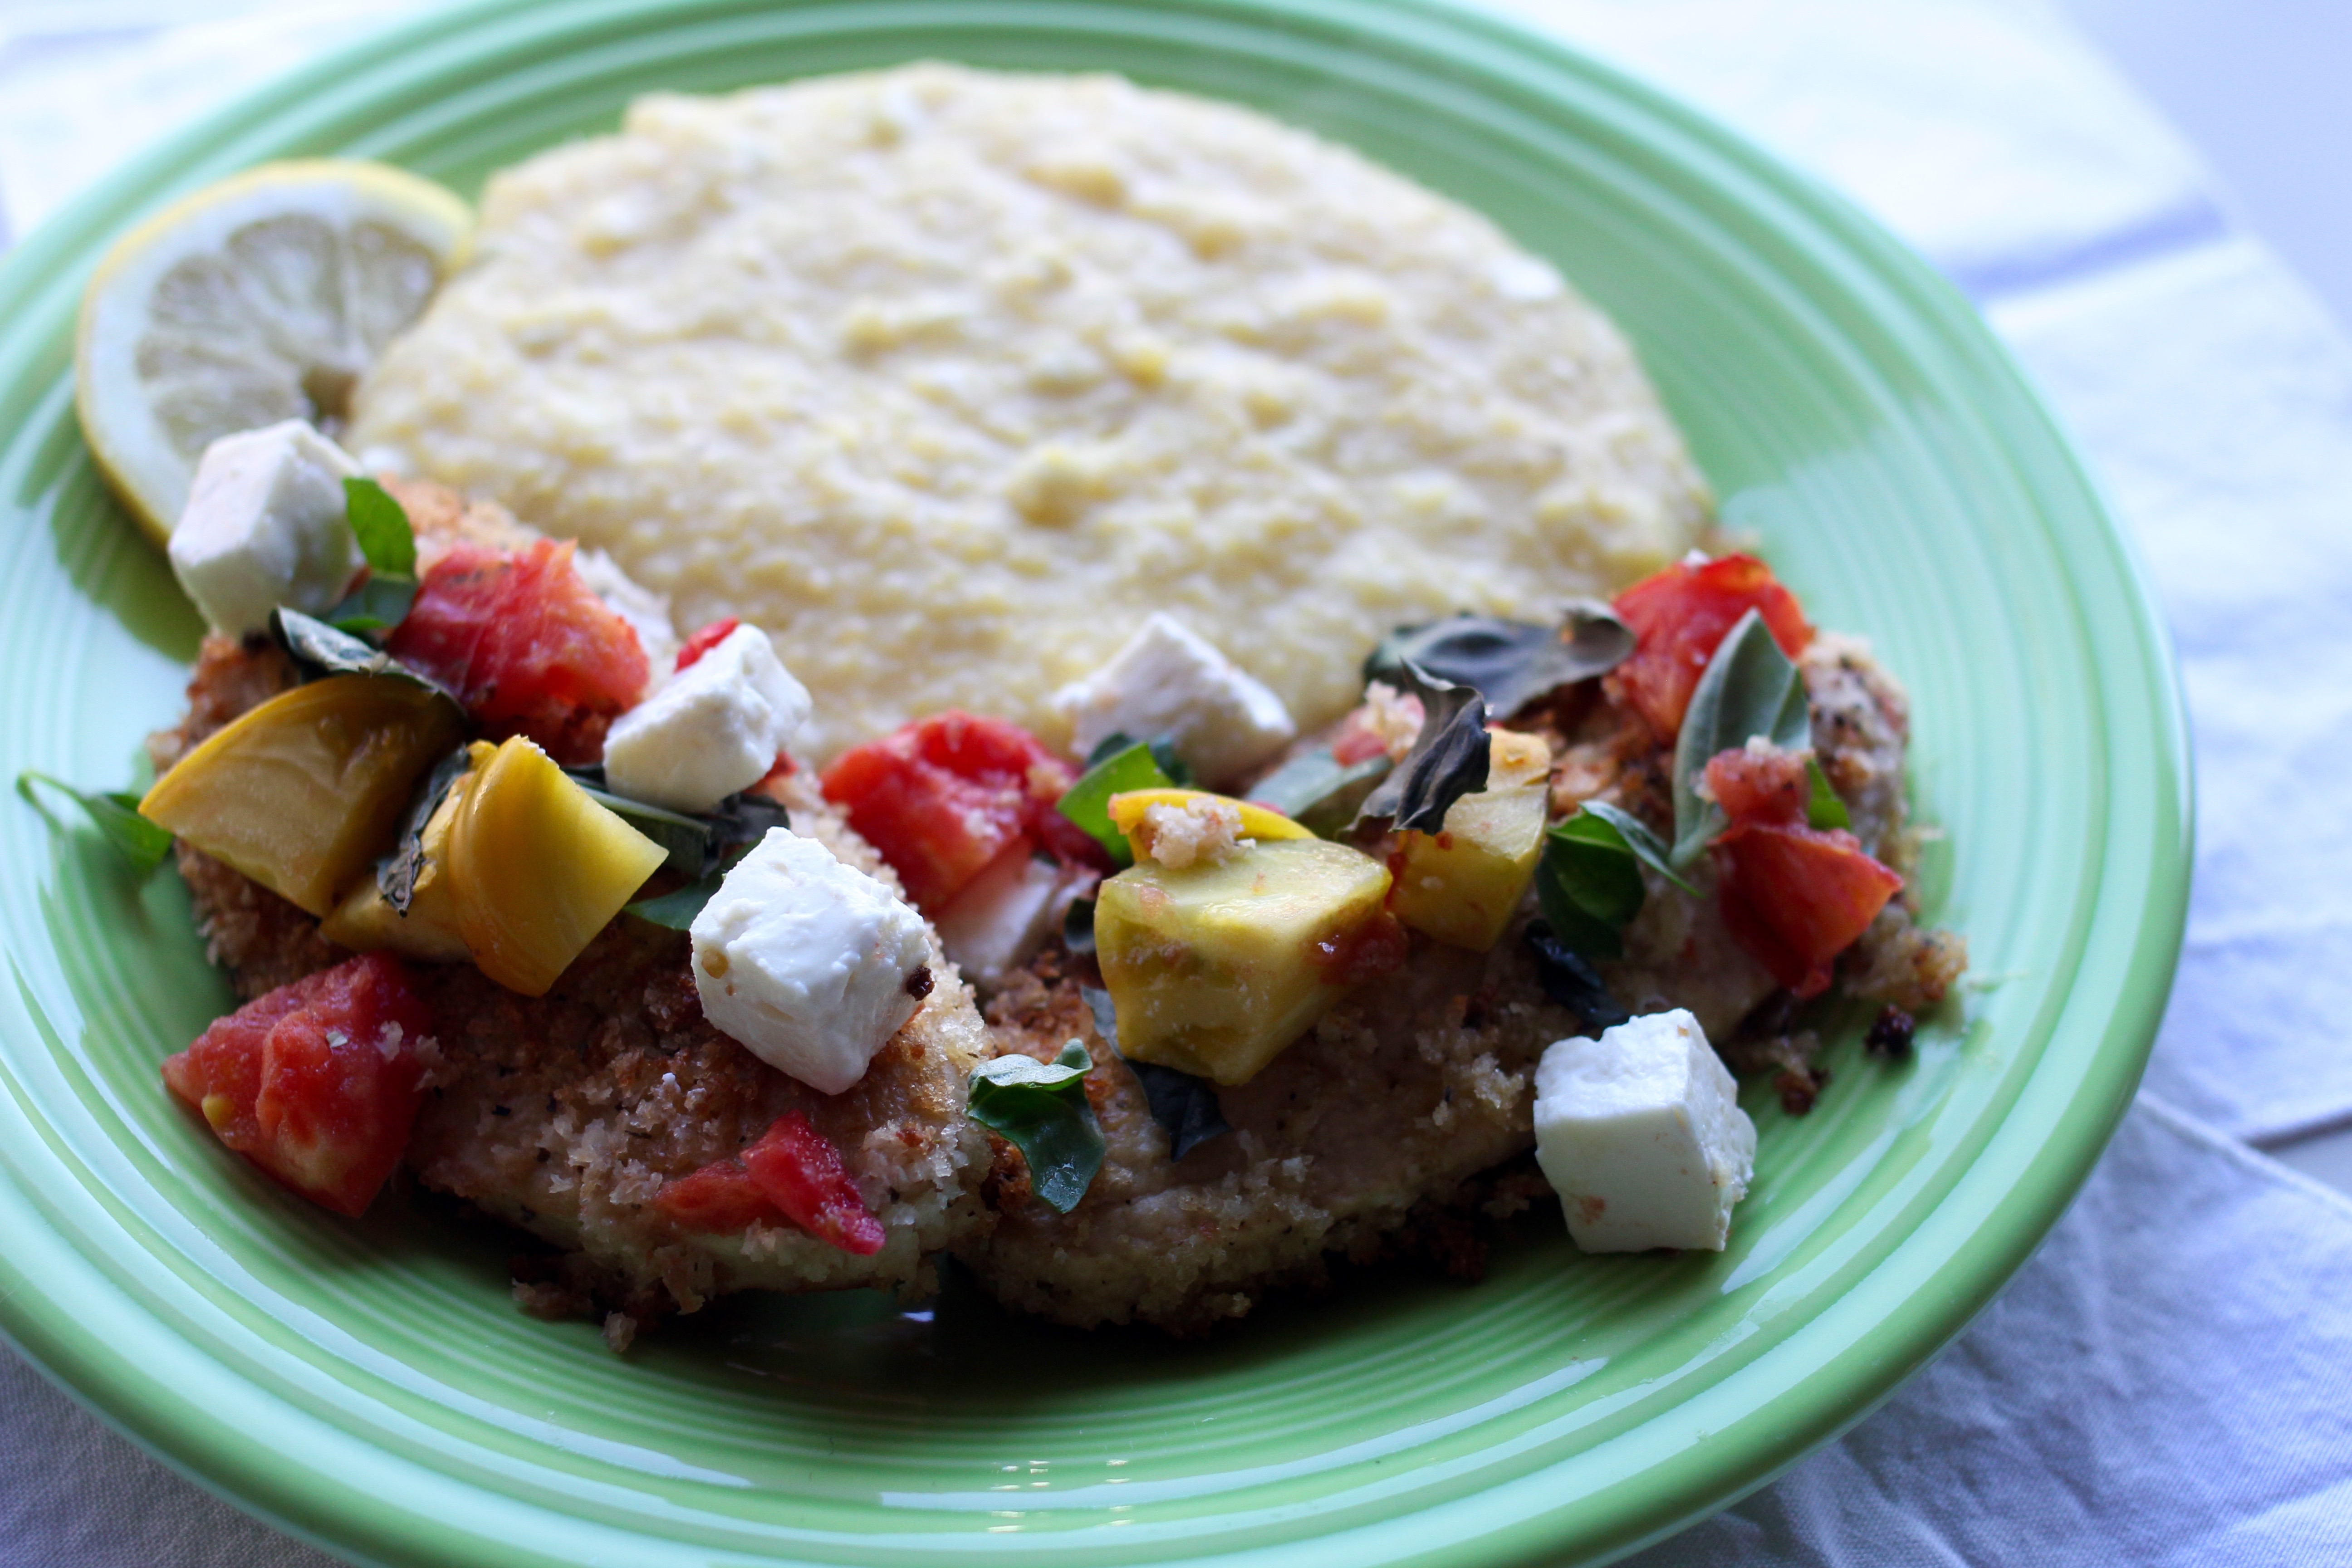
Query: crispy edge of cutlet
563, 1114
1411, 1088
1408, 1110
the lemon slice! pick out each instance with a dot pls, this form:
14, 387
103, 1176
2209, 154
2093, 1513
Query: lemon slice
260, 298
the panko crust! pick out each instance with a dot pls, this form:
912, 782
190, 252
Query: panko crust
1414, 1086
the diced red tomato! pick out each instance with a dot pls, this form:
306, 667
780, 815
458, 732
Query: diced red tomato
1680, 615
800, 1172
703, 641
1796, 897
1766, 785
794, 1174
941, 797
317, 1081
720, 1199
526, 645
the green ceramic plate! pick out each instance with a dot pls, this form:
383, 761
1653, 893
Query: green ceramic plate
369, 1386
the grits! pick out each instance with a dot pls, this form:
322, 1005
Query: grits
950, 378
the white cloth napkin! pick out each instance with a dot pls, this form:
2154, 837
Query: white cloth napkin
2170, 1380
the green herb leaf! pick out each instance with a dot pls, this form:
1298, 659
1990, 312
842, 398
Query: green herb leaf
1589, 884
381, 524
1512, 663
676, 910
1750, 688
116, 814
1647, 847
1134, 765
1185, 1106
1163, 752
1041, 1109
1316, 793
1569, 980
397, 873
318, 651
377, 605
1824, 810
1447, 761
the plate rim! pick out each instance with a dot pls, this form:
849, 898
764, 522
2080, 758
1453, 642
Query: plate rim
190, 1439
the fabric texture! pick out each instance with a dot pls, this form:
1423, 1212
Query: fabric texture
2170, 1380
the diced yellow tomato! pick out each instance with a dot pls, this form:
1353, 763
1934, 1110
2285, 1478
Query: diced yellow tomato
1462, 884
302, 793
1128, 810
364, 920
1215, 967
536, 867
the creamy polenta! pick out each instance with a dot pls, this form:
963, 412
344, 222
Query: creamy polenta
950, 378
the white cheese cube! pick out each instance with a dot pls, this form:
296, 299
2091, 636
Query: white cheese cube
1003, 915
646, 612
1641, 1133
812, 964
1167, 681
711, 728
266, 525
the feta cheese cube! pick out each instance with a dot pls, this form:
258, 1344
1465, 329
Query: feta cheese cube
266, 525
1003, 915
713, 728
646, 612
1167, 681
812, 964
1641, 1133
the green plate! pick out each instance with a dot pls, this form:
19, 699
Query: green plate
369, 1386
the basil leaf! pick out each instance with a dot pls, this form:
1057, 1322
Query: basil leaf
1134, 765
116, 815
380, 523
318, 651
1750, 688
1163, 752
1589, 885
1185, 1105
1823, 810
1647, 847
742, 819
1078, 932
397, 873
1570, 981
1447, 761
1042, 1110
377, 605
1317, 793
676, 910
1512, 663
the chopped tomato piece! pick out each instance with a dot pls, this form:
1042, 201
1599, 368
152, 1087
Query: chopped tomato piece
1680, 615
1760, 785
800, 1172
526, 645
792, 1175
317, 1081
941, 797
703, 641
1796, 897
720, 1199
